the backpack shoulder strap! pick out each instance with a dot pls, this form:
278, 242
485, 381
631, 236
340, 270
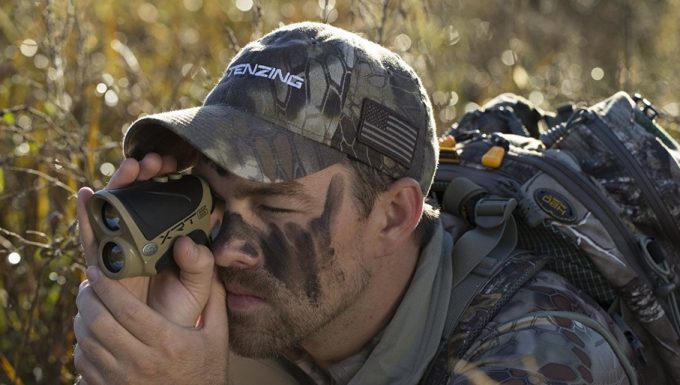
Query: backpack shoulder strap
479, 252
478, 255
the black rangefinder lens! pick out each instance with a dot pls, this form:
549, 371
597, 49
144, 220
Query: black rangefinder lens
111, 217
136, 225
113, 257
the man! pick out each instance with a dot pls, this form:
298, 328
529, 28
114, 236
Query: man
326, 265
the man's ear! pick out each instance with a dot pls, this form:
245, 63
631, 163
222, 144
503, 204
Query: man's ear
397, 212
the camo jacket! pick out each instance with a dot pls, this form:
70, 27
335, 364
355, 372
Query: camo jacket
524, 344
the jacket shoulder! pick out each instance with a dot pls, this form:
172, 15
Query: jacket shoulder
549, 332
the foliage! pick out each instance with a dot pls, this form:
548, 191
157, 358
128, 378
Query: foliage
75, 73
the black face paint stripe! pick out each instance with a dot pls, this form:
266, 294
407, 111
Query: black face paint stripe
233, 226
322, 225
307, 261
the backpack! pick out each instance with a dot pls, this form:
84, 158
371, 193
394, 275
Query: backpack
593, 196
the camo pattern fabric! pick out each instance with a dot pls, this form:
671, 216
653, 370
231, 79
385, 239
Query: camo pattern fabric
658, 166
516, 347
292, 102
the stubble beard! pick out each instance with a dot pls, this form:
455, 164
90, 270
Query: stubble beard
287, 318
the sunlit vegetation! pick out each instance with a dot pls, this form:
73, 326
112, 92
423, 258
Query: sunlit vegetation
75, 73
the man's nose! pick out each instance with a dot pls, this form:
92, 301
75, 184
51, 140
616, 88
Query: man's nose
238, 253
236, 242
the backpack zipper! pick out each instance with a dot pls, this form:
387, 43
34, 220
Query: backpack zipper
602, 131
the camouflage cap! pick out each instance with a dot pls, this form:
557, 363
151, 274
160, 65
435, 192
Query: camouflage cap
300, 99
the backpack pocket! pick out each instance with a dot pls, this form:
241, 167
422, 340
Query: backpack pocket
635, 162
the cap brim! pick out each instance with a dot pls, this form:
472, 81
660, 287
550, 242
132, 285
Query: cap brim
241, 143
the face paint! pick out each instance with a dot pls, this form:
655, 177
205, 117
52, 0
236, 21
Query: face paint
292, 254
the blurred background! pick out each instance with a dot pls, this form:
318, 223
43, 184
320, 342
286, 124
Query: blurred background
75, 73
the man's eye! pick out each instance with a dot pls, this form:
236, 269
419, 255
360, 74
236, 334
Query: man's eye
276, 210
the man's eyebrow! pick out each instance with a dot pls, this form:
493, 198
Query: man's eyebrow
291, 189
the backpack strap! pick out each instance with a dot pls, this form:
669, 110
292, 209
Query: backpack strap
477, 255
479, 252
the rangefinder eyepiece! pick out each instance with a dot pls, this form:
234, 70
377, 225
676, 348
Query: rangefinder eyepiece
136, 225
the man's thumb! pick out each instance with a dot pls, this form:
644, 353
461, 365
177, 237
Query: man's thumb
196, 264
215, 313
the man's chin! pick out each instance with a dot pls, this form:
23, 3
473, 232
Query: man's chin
255, 343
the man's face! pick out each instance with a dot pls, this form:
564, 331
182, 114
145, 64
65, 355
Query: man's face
291, 255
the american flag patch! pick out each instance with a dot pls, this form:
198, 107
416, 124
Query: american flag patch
383, 130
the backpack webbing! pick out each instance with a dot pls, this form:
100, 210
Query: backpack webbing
568, 261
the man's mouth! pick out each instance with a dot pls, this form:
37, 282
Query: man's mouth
242, 300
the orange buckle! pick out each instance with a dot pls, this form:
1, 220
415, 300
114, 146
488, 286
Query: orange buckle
448, 142
447, 150
494, 157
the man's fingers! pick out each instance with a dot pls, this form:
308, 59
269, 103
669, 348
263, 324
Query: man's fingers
127, 173
87, 239
150, 166
132, 314
89, 344
97, 329
169, 164
89, 375
131, 170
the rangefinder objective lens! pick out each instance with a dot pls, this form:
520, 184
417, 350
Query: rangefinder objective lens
113, 257
110, 216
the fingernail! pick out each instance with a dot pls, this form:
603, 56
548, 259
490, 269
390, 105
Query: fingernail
93, 273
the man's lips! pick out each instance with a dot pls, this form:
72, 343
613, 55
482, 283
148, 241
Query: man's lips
242, 300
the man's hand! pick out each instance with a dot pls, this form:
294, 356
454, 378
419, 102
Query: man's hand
144, 321
121, 340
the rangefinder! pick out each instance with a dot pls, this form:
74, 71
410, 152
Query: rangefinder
136, 225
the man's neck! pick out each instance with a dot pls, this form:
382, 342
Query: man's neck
347, 334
